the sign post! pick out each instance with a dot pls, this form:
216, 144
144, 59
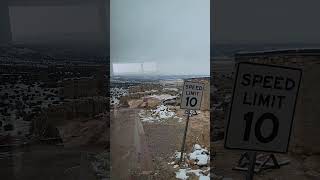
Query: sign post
262, 109
191, 100
184, 137
251, 166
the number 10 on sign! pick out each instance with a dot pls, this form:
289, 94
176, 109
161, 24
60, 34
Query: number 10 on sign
248, 117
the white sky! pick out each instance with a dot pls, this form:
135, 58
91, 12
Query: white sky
56, 23
173, 33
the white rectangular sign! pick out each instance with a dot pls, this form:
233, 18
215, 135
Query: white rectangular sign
191, 95
262, 107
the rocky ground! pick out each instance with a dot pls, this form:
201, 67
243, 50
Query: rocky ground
30, 91
299, 168
20, 101
163, 124
81, 154
80, 149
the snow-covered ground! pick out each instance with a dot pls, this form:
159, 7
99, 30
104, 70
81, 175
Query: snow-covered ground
162, 96
171, 89
196, 164
161, 113
116, 94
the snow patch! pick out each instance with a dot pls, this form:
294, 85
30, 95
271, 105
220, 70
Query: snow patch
161, 113
171, 89
201, 157
204, 177
163, 96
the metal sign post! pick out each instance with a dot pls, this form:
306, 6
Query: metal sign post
184, 137
251, 166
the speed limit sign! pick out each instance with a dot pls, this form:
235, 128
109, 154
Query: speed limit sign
191, 95
190, 100
262, 107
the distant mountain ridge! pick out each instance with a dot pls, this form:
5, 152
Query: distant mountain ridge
228, 50
36, 52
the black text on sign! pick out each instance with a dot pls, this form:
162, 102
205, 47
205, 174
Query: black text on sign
191, 95
262, 107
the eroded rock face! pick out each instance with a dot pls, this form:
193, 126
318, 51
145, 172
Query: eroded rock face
144, 103
152, 103
89, 132
135, 103
93, 132
124, 101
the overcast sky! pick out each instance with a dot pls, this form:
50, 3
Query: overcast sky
266, 21
173, 33
65, 24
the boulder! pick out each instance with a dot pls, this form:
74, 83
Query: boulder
152, 102
89, 133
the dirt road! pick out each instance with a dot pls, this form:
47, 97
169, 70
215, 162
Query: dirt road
129, 151
144, 149
163, 140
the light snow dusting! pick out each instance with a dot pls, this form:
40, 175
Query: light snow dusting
171, 89
161, 113
116, 94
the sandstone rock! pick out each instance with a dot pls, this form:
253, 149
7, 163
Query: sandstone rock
151, 102
90, 133
124, 100
135, 103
